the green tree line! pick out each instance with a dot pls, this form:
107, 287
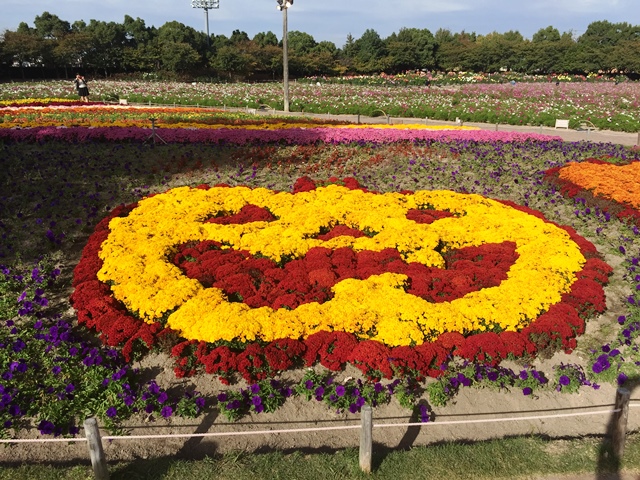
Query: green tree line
174, 49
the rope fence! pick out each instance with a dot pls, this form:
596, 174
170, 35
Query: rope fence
618, 432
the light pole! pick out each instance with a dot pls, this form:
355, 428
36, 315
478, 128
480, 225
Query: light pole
284, 6
207, 5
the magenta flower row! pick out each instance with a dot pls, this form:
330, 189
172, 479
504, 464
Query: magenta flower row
243, 136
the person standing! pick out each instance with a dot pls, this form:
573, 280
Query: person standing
81, 87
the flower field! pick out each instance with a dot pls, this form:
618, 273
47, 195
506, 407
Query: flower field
608, 105
266, 256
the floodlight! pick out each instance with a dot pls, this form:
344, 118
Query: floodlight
283, 6
206, 4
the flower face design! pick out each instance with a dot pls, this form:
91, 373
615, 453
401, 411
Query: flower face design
137, 262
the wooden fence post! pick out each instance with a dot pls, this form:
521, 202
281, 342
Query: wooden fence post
358, 119
366, 439
619, 431
98, 460
496, 127
638, 141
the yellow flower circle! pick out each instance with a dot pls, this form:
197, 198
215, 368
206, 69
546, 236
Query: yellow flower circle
137, 267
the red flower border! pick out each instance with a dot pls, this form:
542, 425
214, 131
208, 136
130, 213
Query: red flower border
555, 329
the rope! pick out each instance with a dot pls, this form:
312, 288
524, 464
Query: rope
317, 429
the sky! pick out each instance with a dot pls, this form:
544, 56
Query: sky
333, 20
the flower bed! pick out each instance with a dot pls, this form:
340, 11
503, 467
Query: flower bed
86, 180
614, 188
290, 136
351, 282
607, 105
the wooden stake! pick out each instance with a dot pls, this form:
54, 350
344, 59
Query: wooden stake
98, 460
619, 431
366, 439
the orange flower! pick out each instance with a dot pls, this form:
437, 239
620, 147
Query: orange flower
619, 183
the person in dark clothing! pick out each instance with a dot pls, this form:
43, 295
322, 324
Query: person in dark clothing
81, 87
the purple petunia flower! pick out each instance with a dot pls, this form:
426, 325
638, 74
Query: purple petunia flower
14, 410
424, 414
622, 377
308, 384
353, 408
46, 427
340, 390
254, 388
527, 391
256, 400
286, 392
166, 411
111, 412
163, 397
564, 380
222, 397
599, 366
154, 388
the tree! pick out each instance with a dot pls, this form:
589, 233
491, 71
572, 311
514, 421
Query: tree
496, 51
549, 34
238, 36
70, 50
136, 32
263, 39
48, 26
300, 43
347, 55
369, 50
106, 45
231, 60
177, 33
22, 48
179, 57
410, 49
453, 51
606, 34
141, 51
625, 56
